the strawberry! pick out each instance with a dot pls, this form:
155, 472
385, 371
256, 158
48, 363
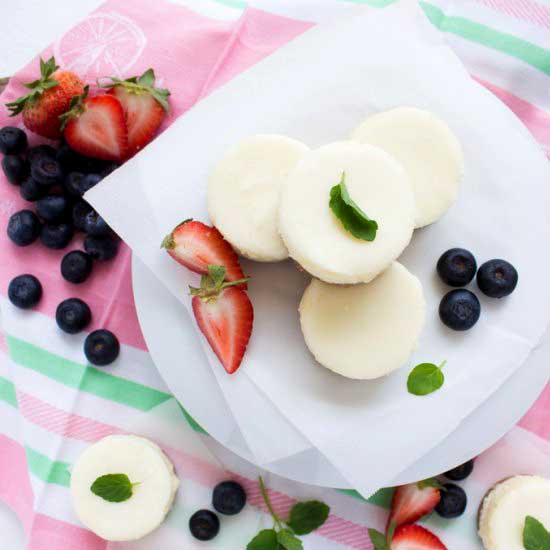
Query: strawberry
225, 315
49, 98
196, 246
95, 127
411, 502
144, 106
414, 537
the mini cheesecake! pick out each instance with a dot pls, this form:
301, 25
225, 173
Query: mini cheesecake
243, 194
504, 509
145, 465
364, 331
428, 150
317, 239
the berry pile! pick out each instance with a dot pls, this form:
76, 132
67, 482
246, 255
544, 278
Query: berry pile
414, 501
460, 308
96, 134
228, 498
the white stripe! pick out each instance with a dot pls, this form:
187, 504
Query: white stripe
42, 331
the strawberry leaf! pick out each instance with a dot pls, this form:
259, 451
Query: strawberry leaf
430, 482
147, 78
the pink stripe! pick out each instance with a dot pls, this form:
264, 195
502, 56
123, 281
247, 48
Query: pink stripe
53, 534
3, 345
85, 429
537, 420
536, 120
526, 10
15, 487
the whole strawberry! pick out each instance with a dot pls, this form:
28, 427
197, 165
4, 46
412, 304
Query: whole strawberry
50, 97
144, 106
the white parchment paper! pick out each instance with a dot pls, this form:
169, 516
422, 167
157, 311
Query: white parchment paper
318, 89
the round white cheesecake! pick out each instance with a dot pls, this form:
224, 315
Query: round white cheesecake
144, 463
429, 152
317, 239
504, 509
243, 194
364, 331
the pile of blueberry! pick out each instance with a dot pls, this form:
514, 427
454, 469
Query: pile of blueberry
460, 309
55, 181
453, 497
228, 498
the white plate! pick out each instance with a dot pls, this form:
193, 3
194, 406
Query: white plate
156, 306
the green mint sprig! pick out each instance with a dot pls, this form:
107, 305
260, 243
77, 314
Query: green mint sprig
113, 487
304, 518
535, 536
426, 378
381, 541
354, 220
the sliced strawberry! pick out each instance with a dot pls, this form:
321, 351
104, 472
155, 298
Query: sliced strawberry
144, 106
415, 537
196, 246
224, 314
411, 502
96, 127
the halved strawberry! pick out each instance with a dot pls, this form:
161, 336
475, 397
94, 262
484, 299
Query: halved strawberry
224, 314
144, 106
415, 537
411, 502
95, 127
197, 245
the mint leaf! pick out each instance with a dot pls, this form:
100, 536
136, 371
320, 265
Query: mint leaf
425, 378
288, 540
430, 482
535, 536
305, 517
348, 212
264, 540
113, 487
379, 540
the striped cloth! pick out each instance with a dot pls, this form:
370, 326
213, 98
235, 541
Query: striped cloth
52, 404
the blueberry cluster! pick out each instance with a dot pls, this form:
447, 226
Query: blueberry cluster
55, 180
453, 497
228, 498
460, 309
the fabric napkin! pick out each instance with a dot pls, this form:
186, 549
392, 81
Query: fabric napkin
53, 405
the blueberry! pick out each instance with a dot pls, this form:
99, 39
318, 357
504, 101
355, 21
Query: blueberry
40, 151
228, 498
101, 347
457, 267
110, 166
47, 171
459, 309
77, 183
25, 291
71, 161
204, 525
497, 278
12, 140
15, 168
53, 209
23, 227
95, 225
76, 266
453, 501
73, 315
56, 236
80, 210
460, 472
32, 191
101, 248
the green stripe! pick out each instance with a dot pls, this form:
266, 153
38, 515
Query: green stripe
534, 55
49, 471
381, 498
7, 392
90, 379
191, 421
238, 4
